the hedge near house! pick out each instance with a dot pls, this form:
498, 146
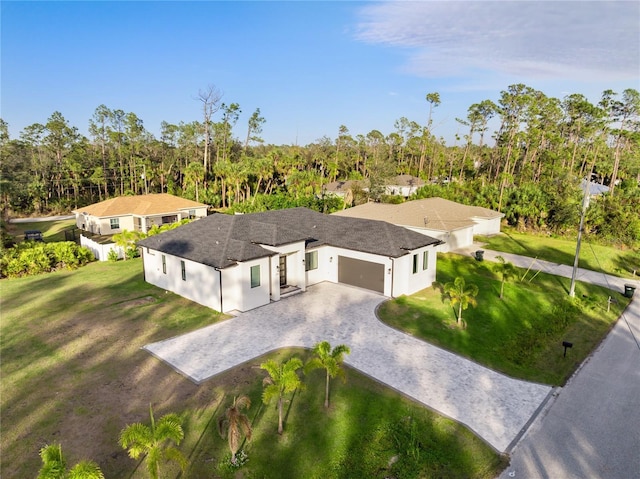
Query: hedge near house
29, 258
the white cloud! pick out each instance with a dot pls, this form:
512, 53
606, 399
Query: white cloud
587, 40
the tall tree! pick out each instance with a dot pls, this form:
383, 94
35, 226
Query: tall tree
283, 379
330, 360
210, 98
434, 101
235, 424
254, 128
621, 114
153, 441
98, 128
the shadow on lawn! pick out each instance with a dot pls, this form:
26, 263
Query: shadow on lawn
74, 370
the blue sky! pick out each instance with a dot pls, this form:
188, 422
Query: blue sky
309, 66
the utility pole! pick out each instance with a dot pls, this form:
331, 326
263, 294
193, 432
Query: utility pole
585, 205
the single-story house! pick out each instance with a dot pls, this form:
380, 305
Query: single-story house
131, 213
453, 223
343, 188
403, 185
136, 213
241, 262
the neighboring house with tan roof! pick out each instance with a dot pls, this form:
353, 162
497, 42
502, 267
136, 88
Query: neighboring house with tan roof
241, 262
136, 213
131, 213
403, 185
342, 188
453, 223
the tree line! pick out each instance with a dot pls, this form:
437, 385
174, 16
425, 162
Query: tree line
542, 147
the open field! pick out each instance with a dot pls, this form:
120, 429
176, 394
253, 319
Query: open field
73, 372
605, 259
51, 230
520, 335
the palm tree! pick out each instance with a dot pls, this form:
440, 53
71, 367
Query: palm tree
461, 295
235, 424
506, 270
54, 466
283, 378
140, 439
330, 360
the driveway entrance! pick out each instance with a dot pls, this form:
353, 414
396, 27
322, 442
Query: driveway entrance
494, 406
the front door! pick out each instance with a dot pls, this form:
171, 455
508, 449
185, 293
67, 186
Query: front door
283, 271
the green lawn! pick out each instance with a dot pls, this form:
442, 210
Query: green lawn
51, 230
595, 257
73, 371
520, 335
366, 428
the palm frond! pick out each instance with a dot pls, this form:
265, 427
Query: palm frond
136, 438
85, 470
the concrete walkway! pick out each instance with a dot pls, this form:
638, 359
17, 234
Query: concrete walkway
495, 407
614, 283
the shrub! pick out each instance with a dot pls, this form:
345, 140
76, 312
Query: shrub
29, 258
112, 255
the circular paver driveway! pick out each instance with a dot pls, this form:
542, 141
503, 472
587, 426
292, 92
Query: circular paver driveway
496, 407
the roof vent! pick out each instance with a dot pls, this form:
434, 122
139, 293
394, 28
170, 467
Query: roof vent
426, 220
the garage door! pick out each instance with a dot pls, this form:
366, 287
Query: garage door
363, 274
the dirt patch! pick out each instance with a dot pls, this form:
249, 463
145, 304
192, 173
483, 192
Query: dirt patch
137, 302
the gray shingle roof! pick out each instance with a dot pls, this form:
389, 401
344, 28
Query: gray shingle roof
222, 240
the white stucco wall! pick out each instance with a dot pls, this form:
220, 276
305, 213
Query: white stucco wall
237, 293
202, 283
405, 281
486, 226
294, 253
459, 238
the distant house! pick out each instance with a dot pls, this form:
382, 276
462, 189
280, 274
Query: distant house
403, 185
136, 213
131, 213
453, 223
240, 262
342, 188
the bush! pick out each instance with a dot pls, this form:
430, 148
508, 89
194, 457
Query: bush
112, 255
29, 258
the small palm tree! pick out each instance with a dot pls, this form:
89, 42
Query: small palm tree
234, 423
460, 295
329, 360
507, 271
140, 439
283, 378
54, 466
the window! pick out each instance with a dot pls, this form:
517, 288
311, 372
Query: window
425, 260
184, 271
415, 263
311, 260
255, 276
115, 223
164, 264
